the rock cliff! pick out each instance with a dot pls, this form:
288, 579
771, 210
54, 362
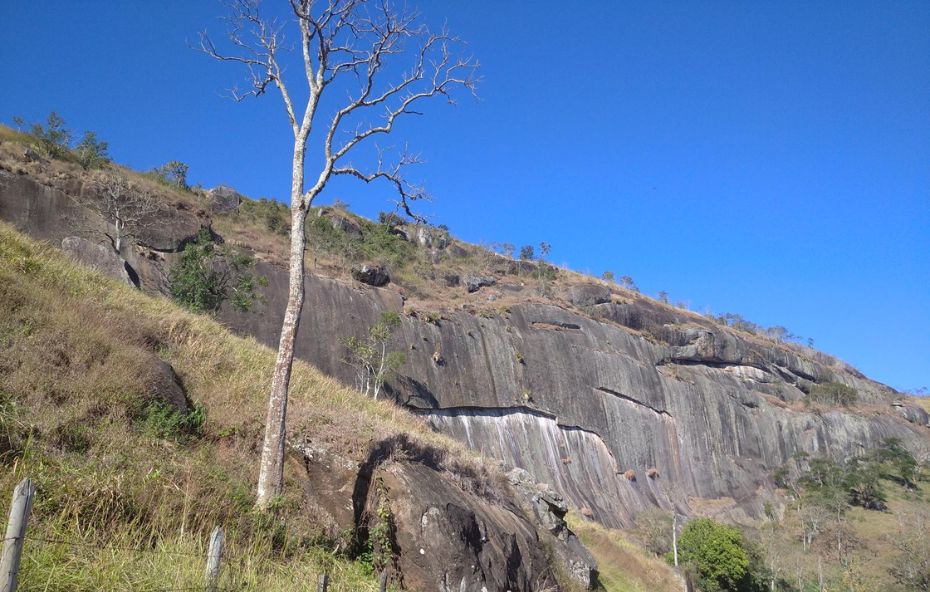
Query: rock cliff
617, 403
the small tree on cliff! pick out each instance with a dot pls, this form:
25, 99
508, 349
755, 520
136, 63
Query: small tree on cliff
127, 208
346, 45
370, 358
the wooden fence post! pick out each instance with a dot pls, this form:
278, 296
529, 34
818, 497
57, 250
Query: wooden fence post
214, 553
16, 534
322, 584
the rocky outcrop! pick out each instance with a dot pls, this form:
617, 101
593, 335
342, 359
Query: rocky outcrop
450, 528
576, 399
224, 200
473, 283
589, 294
96, 255
373, 275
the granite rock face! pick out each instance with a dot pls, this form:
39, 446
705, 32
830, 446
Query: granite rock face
224, 199
578, 401
451, 537
575, 399
96, 255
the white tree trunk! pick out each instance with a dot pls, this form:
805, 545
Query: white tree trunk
271, 468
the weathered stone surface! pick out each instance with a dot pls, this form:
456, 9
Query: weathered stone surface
589, 294
473, 283
453, 531
224, 199
373, 275
913, 414
96, 255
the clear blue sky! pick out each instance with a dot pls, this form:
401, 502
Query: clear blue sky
771, 159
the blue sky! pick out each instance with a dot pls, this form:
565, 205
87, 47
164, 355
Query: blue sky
770, 159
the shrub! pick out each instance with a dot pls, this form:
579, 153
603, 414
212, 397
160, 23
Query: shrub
52, 139
527, 253
833, 393
174, 173
717, 554
389, 219
162, 420
382, 245
204, 278
91, 152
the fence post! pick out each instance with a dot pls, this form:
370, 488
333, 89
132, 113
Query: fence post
322, 584
16, 534
384, 580
214, 553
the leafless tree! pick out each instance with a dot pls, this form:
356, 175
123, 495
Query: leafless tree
344, 44
125, 206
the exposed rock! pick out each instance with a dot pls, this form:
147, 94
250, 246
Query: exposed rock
473, 283
224, 199
373, 275
165, 385
550, 509
448, 537
96, 255
32, 156
913, 414
589, 294
431, 238
457, 251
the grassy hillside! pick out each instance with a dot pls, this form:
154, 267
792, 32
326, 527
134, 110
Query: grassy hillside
129, 479
623, 566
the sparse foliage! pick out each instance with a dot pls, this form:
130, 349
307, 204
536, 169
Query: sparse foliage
527, 253
91, 152
370, 358
355, 45
127, 208
608, 276
173, 173
53, 138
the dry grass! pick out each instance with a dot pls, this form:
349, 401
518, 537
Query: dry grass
79, 359
622, 565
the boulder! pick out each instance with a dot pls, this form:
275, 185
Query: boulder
913, 414
432, 238
97, 256
451, 279
373, 275
473, 283
224, 199
589, 294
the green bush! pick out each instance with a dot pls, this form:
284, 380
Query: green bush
52, 139
272, 214
833, 393
205, 277
92, 153
717, 554
173, 173
162, 420
382, 245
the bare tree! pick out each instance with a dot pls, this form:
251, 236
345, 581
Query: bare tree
126, 207
353, 43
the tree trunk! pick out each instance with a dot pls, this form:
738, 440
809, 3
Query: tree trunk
271, 468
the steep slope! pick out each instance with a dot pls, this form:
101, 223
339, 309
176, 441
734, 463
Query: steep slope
617, 401
141, 423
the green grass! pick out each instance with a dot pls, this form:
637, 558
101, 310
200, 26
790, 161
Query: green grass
136, 485
622, 565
